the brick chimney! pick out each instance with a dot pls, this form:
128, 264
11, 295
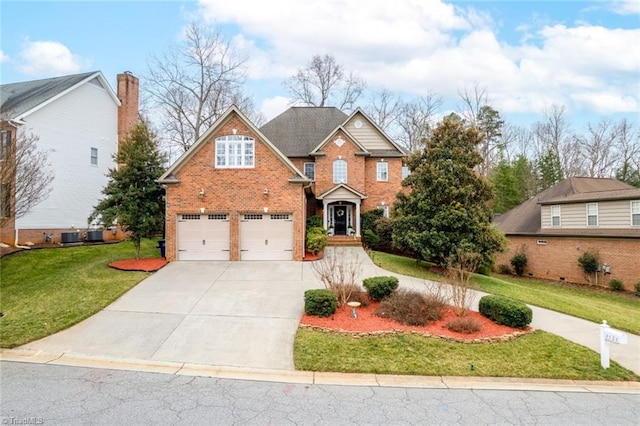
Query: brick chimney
128, 89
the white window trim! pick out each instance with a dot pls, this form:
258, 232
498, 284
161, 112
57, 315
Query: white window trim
380, 173
92, 157
637, 212
559, 216
304, 170
243, 141
405, 172
346, 171
385, 210
596, 214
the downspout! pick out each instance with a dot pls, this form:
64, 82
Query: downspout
15, 242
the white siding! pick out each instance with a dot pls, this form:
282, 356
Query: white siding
68, 128
367, 135
611, 214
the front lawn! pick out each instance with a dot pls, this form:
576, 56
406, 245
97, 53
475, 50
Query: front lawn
536, 355
620, 311
47, 290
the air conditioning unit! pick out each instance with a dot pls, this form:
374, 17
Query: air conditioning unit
94, 236
70, 237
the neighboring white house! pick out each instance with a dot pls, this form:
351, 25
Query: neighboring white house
76, 120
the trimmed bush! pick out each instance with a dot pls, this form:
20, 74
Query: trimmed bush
505, 311
589, 262
519, 262
411, 307
636, 289
465, 325
384, 230
380, 287
316, 239
616, 285
314, 222
504, 269
371, 239
320, 302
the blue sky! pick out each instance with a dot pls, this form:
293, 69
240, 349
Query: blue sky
528, 54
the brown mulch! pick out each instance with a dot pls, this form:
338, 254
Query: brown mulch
368, 322
310, 257
144, 265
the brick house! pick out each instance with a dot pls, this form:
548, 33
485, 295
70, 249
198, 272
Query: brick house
78, 120
244, 193
576, 215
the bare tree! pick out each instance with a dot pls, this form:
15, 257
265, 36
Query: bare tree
599, 148
323, 82
473, 99
462, 266
384, 108
339, 270
517, 141
25, 174
415, 121
193, 83
628, 167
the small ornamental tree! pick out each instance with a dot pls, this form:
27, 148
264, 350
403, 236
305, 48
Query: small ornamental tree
589, 261
132, 198
448, 205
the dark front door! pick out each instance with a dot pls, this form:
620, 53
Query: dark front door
340, 220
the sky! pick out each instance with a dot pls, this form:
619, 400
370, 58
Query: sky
529, 55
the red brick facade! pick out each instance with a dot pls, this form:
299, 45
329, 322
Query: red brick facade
234, 191
558, 259
128, 91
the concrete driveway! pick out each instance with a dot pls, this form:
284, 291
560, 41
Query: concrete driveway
241, 314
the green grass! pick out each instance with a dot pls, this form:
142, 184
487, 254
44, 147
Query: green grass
536, 355
620, 311
47, 290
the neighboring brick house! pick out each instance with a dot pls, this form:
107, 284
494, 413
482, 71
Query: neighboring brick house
78, 119
243, 193
578, 214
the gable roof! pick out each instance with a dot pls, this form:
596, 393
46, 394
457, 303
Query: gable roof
21, 99
298, 130
169, 175
388, 152
526, 218
338, 187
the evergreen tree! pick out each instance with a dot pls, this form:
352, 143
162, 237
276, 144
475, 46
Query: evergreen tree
133, 199
549, 170
507, 190
628, 174
448, 206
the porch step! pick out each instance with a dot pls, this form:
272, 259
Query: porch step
344, 240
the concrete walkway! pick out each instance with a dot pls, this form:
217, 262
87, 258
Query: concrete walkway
237, 318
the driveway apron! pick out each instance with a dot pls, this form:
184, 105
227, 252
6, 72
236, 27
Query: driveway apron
240, 314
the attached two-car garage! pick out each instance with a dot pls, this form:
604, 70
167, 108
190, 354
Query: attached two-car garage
260, 237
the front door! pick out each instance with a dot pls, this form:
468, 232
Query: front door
340, 220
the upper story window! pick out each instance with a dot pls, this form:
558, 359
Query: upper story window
5, 143
310, 170
382, 173
339, 171
235, 151
94, 156
592, 214
555, 215
405, 171
635, 213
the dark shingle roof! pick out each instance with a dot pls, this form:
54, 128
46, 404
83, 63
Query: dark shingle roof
525, 218
18, 98
298, 130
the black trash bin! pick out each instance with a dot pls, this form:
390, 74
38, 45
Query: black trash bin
161, 246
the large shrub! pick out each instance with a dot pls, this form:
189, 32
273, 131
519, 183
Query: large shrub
588, 261
411, 307
384, 230
371, 239
505, 311
519, 262
636, 289
380, 287
368, 219
314, 222
316, 239
320, 302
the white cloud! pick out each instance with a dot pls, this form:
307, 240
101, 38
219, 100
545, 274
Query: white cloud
626, 7
416, 46
49, 58
3, 57
272, 107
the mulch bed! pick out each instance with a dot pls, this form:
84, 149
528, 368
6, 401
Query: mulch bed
367, 323
310, 257
144, 265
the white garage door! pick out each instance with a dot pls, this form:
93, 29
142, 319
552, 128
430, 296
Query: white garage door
203, 237
266, 237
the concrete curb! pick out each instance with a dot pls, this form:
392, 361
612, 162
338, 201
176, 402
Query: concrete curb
317, 378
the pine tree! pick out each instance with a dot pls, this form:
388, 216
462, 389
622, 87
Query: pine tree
448, 206
132, 198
